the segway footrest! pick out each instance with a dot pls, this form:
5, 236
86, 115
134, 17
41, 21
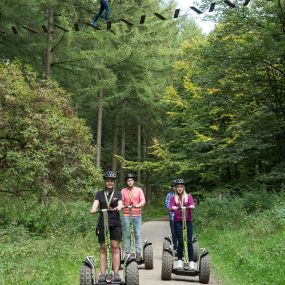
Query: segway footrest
185, 272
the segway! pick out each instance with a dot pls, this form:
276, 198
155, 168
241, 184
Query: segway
168, 241
203, 262
88, 269
147, 258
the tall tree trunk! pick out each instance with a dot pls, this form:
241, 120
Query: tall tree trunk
99, 128
50, 39
115, 143
123, 148
147, 190
146, 174
139, 146
144, 158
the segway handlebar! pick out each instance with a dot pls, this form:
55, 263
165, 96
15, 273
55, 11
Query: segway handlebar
130, 207
105, 210
188, 207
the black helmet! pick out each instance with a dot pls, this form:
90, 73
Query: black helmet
129, 175
179, 181
172, 183
109, 175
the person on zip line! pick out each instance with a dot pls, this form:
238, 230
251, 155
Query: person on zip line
104, 5
109, 198
179, 200
133, 196
171, 214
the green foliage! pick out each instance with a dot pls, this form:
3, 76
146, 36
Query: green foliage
54, 259
43, 145
225, 106
131, 65
70, 218
45, 245
244, 247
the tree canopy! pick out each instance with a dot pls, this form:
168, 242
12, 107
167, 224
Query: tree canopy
160, 98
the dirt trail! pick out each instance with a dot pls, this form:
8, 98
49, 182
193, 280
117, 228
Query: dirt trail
154, 231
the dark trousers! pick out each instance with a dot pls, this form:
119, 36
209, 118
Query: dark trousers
173, 234
179, 232
103, 6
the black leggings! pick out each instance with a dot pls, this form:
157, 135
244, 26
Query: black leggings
179, 232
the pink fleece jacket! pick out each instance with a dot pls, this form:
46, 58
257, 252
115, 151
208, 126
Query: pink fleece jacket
178, 213
133, 197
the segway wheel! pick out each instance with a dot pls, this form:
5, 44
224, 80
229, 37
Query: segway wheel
204, 270
148, 257
167, 264
195, 251
132, 273
85, 275
166, 244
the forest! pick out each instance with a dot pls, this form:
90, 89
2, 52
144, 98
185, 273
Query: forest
153, 95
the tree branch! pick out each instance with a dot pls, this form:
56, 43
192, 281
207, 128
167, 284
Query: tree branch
68, 61
125, 59
58, 43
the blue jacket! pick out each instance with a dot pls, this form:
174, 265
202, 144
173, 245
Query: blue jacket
167, 202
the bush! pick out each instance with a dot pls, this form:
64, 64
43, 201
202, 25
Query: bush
44, 147
245, 237
219, 213
58, 217
257, 201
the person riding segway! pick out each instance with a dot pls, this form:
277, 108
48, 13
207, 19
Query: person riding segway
182, 204
133, 199
109, 198
172, 239
109, 232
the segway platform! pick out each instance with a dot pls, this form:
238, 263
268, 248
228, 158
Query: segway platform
185, 272
111, 283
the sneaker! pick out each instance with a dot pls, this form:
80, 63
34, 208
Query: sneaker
101, 278
94, 24
179, 264
139, 256
117, 277
192, 265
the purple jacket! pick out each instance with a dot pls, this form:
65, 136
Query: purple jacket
178, 213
